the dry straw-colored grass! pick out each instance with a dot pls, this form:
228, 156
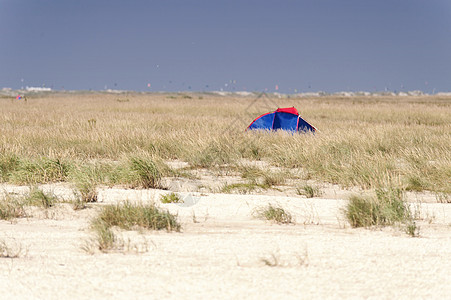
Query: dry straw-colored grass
362, 141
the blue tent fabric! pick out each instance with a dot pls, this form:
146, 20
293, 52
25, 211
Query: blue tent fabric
285, 121
282, 119
263, 122
304, 126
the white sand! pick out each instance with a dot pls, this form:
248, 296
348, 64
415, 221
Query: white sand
221, 255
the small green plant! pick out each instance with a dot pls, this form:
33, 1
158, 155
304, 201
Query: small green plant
84, 194
38, 197
267, 178
362, 212
147, 173
251, 172
129, 215
171, 198
42, 170
8, 164
242, 188
412, 229
275, 214
78, 204
11, 208
394, 208
415, 183
104, 236
88, 192
387, 208
308, 191
87, 178
270, 179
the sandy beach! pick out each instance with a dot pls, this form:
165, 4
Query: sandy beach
223, 251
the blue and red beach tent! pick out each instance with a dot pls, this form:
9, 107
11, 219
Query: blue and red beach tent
282, 119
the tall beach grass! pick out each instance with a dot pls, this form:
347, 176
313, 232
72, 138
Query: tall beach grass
96, 139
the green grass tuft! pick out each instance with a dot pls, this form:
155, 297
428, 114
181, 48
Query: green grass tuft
387, 208
242, 188
8, 164
415, 183
129, 215
11, 208
412, 229
147, 173
275, 214
105, 238
41, 170
170, 198
37, 197
308, 191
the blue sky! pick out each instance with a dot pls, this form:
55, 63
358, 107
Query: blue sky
304, 46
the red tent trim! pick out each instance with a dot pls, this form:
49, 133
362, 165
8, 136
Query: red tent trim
290, 110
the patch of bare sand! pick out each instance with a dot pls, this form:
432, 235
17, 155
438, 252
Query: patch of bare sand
221, 253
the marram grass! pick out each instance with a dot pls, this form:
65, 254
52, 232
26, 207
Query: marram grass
362, 141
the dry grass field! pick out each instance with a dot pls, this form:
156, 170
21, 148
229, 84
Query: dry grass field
362, 141
138, 196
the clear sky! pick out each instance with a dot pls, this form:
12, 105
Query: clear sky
303, 46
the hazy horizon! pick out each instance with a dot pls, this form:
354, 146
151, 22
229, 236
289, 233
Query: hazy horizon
273, 46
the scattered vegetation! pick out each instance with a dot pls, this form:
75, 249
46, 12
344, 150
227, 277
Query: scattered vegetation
274, 214
146, 172
362, 141
105, 238
415, 183
264, 178
387, 208
127, 216
170, 198
272, 178
42, 170
38, 197
12, 207
8, 164
242, 188
308, 191
216, 153
87, 177
412, 229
